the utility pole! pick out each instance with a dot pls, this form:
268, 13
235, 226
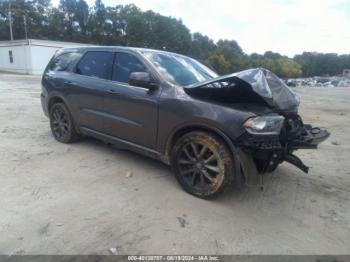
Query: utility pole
25, 26
10, 20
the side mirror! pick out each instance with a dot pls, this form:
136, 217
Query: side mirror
142, 79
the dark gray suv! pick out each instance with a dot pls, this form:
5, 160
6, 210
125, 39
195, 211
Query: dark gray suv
214, 131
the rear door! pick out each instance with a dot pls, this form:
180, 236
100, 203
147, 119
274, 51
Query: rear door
87, 88
55, 75
132, 112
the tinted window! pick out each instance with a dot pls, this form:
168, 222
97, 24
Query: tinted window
124, 65
62, 62
97, 64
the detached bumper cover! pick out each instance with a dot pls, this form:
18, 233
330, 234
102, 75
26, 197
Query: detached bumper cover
311, 138
269, 151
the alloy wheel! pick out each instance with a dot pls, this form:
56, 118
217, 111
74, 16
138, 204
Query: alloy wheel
60, 123
200, 166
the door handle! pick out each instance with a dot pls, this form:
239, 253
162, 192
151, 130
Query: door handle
67, 82
112, 91
47, 77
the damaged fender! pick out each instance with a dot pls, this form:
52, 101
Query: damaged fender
263, 93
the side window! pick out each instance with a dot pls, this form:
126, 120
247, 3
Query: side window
11, 56
96, 63
124, 65
62, 62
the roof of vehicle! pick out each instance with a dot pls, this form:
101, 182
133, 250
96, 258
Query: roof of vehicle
117, 48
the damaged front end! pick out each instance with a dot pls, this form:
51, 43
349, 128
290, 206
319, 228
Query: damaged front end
269, 150
276, 130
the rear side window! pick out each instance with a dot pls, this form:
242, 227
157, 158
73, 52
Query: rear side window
124, 65
98, 64
62, 62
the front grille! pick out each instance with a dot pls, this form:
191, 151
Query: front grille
259, 141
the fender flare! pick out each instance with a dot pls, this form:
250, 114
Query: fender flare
57, 95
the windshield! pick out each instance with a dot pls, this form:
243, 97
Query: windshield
179, 70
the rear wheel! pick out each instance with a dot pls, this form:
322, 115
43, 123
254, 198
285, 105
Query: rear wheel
61, 124
202, 164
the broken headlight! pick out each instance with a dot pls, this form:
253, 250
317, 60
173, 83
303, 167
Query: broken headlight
264, 125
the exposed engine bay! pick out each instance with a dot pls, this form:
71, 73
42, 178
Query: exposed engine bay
277, 130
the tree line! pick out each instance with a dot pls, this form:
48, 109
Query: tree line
128, 25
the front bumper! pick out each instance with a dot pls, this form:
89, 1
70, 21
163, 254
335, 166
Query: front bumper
269, 151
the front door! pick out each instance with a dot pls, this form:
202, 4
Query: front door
131, 112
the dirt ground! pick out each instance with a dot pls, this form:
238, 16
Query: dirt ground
77, 199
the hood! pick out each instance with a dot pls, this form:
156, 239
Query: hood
256, 86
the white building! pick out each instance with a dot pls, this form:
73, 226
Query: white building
28, 56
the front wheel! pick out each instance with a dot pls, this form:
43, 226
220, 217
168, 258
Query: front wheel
203, 165
61, 124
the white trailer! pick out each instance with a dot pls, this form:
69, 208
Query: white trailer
28, 56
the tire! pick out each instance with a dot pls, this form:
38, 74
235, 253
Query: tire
203, 165
61, 123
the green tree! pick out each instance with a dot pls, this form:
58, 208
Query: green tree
128, 25
35, 13
219, 63
201, 46
75, 19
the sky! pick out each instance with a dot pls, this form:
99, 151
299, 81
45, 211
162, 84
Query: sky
288, 27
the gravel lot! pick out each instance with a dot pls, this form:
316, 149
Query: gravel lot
77, 199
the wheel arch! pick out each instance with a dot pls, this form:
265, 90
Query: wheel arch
53, 100
57, 98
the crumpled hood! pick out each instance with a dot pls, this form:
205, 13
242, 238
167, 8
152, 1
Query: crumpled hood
275, 93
